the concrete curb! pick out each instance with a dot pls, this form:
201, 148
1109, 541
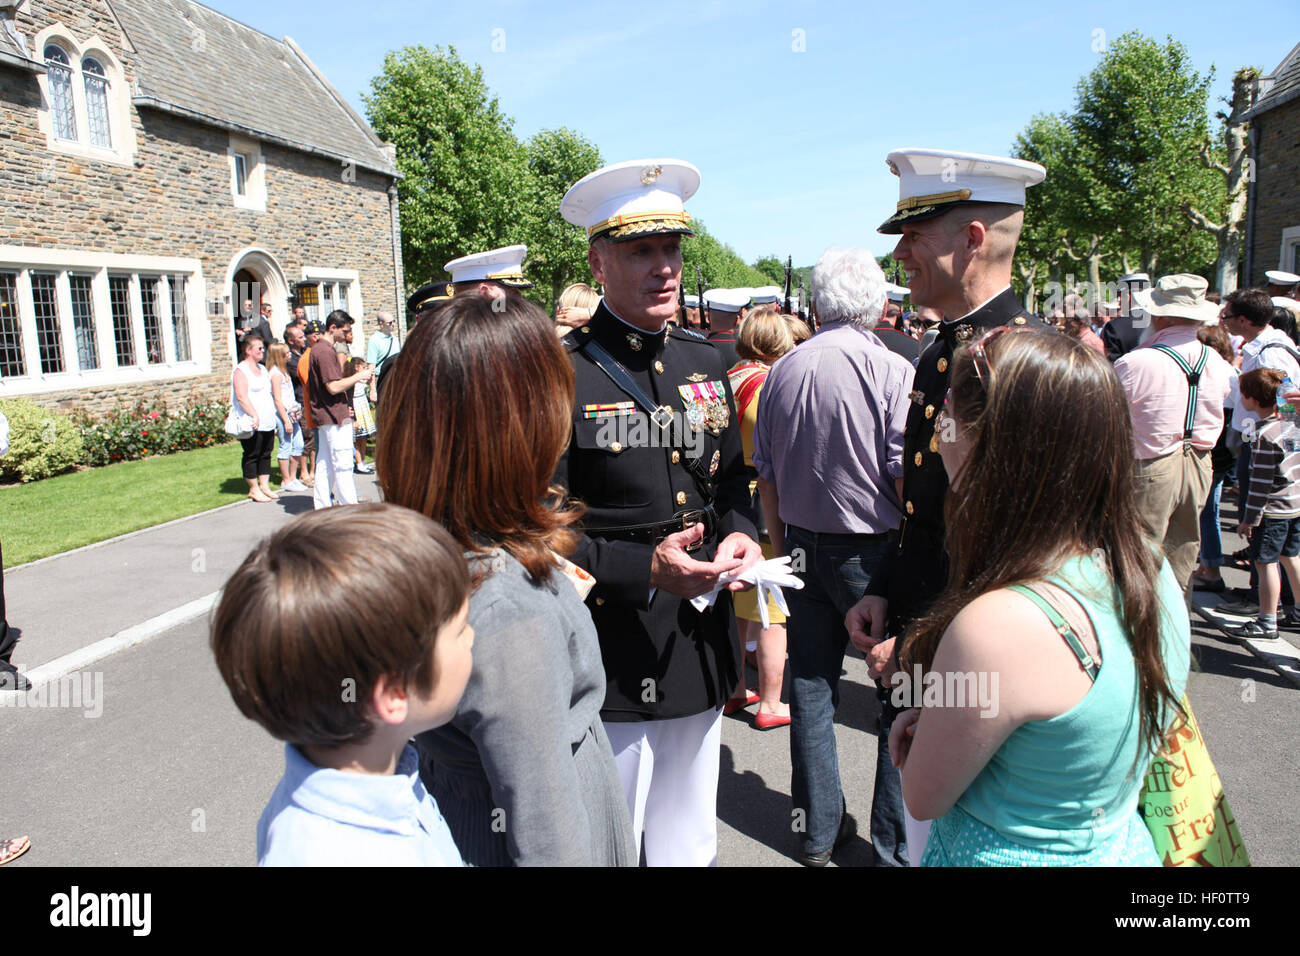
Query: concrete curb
1280, 655
136, 634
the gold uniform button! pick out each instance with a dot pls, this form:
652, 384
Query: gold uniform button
659, 367
677, 456
909, 507
943, 365
600, 602
917, 459
934, 443
615, 447
1019, 320
681, 497
929, 411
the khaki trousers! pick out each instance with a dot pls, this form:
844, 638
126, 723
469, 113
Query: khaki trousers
1171, 493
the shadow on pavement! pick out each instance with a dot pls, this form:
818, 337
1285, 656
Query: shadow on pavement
1232, 660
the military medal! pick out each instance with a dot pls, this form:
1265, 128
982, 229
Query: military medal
706, 405
713, 463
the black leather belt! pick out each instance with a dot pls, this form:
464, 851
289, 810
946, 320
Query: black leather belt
656, 531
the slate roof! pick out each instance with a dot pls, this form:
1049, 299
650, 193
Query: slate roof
200, 63
1283, 85
11, 51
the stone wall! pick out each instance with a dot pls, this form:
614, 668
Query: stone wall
1277, 186
176, 201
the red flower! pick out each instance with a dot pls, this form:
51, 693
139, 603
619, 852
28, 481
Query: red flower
144, 434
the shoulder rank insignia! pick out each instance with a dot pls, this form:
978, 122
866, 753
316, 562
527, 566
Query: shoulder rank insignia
696, 377
706, 405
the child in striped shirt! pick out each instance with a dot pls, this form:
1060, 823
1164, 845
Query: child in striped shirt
1271, 516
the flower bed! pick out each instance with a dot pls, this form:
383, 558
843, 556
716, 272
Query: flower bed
44, 443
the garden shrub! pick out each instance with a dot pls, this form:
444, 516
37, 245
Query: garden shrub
42, 442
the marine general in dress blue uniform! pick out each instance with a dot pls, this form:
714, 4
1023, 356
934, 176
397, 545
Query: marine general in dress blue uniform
667, 507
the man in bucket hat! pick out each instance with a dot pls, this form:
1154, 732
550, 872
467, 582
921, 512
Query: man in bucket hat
1176, 388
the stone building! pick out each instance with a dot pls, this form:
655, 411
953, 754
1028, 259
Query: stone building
159, 164
1273, 216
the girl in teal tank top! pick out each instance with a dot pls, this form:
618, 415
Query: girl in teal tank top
1064, 791
1057, 602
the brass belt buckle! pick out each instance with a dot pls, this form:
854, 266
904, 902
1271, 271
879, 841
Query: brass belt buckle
692, 518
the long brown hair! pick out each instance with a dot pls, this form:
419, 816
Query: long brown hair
1049, 474
476, 412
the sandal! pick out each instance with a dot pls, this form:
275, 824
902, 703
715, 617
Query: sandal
14, 848
259, 497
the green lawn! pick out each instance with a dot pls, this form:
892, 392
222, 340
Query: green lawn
46, 517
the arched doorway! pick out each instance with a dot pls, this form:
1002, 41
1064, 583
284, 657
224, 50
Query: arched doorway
255, 277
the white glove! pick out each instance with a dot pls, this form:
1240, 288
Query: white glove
768, 577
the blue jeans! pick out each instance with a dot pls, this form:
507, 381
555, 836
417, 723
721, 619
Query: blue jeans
836, 570
1211, 540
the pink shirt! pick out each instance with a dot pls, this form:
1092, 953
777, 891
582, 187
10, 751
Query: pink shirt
1157, 393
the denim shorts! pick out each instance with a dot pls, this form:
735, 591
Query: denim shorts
1275, 538
290, 447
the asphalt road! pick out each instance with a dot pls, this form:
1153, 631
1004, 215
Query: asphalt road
169, 773
159, 768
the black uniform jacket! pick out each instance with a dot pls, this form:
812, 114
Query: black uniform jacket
918, 569
1121, 335
725, 343
663, 658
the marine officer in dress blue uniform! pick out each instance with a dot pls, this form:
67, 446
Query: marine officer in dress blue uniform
655, 455
959, 217
727, 309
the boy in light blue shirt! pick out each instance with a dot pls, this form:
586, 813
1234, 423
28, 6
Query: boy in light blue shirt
345, 634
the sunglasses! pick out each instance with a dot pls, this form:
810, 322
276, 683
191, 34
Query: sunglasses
977, 349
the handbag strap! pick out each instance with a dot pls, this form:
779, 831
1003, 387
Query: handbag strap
1086, 660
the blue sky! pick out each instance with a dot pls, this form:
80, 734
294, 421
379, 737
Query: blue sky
791, 142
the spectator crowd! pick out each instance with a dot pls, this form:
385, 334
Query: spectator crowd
547, 615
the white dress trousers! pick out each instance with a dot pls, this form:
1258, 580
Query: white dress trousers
334, 464
669, 770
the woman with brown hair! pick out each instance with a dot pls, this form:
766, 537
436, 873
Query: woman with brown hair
1051, 667
477, 411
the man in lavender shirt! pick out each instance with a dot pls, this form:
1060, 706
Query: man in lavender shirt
828, 449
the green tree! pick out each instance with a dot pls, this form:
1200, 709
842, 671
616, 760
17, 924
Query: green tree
1231, 162
464, 173
772, 269
1064, 240
557, 250
1140, 119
